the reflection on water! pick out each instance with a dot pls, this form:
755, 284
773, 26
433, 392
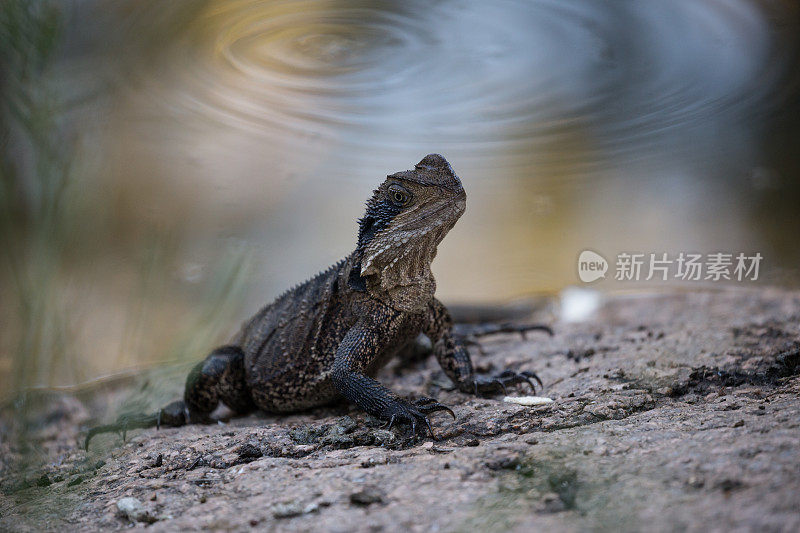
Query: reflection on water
632, 125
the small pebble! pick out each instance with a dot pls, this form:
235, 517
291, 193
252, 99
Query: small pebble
290, 510
528, 400
287, 510
365, 497
132, 509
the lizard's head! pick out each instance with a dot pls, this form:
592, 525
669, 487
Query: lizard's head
406, 219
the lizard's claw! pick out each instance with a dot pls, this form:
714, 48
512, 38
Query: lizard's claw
429, 405
415, 413
487, 384
528, 374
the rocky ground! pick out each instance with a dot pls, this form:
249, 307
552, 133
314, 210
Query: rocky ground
671, 412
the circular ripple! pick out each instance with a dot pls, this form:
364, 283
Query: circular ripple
475, 74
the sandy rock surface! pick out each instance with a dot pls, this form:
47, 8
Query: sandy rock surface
670, 412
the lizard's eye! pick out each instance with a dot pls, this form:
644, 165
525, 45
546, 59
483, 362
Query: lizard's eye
398, 195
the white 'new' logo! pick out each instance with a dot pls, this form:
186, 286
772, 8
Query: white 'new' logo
591, 266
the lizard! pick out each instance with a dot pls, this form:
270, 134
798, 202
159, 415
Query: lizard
326, 338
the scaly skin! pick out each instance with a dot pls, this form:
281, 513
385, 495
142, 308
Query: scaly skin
328, 337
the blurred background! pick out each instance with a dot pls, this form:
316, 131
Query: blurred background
166, 168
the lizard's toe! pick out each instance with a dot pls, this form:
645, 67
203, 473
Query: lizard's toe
489, 384
415, 414
429, 405
528, 374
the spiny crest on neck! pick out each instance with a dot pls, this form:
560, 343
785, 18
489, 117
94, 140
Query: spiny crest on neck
380, 212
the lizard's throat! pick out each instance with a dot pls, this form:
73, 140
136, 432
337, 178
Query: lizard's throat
400, 275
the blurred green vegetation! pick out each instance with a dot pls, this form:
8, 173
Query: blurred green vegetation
56, 229
35, 174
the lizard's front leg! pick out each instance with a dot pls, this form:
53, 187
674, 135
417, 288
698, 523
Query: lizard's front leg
454, 358
359, 347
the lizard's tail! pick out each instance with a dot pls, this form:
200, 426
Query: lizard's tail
173, 415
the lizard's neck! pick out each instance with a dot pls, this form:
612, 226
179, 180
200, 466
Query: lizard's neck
396, 268
400, 278
403, 288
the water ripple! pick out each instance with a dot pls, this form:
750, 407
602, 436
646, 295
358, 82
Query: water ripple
469, 75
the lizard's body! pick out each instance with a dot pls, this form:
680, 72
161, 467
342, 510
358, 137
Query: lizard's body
312, 319
328, 337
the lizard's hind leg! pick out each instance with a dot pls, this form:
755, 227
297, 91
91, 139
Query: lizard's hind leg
219, 378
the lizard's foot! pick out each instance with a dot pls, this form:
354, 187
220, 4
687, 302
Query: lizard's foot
122, 425
488, 384
415, 413
173, 415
